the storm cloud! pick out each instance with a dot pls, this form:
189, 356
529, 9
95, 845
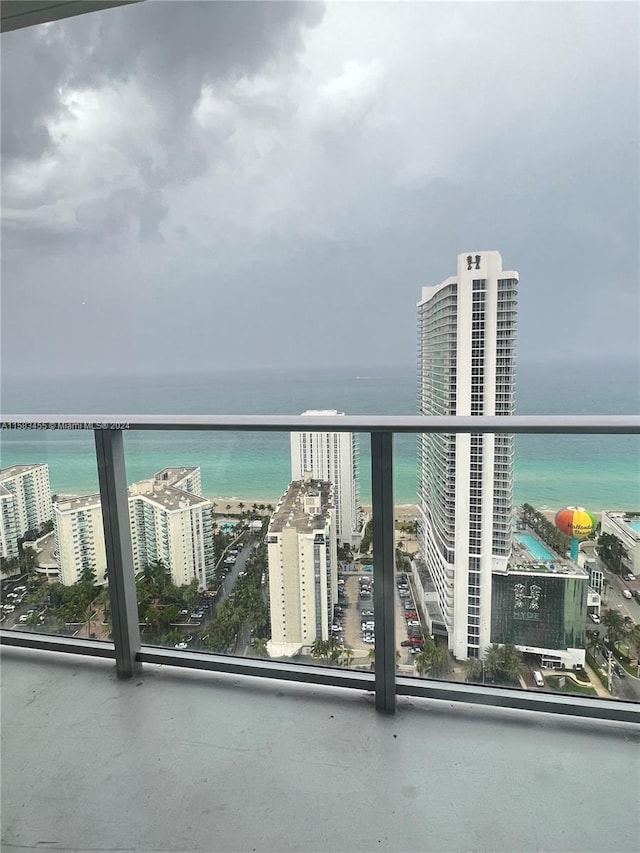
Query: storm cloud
275, 182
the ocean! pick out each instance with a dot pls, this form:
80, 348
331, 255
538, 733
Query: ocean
597, 472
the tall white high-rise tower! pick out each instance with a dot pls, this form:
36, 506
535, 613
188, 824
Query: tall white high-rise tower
331, 456
466, 343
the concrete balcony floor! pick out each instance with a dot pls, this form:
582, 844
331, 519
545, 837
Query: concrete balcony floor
188, 761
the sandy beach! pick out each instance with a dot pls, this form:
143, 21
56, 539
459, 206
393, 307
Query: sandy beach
236, 506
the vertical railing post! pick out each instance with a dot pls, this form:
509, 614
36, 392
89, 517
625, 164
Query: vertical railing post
383, 565
117, 535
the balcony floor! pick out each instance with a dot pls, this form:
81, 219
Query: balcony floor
188, 761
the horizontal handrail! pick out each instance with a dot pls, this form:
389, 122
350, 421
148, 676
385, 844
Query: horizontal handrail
516, 424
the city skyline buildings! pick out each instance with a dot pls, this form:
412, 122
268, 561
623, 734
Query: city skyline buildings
466, 366
331, 456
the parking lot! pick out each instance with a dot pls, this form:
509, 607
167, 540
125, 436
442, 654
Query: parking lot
356, 602
16, 610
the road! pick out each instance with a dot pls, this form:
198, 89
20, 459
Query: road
227, 585
614, 598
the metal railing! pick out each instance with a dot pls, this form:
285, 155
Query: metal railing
128, 652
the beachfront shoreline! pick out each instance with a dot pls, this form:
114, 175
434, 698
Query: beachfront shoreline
403, 511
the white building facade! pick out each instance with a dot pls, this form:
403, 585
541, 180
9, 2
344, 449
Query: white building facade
79, 537
172, 522
466, 344
303, 567
25, 504
331, 456
168, 521
625, 527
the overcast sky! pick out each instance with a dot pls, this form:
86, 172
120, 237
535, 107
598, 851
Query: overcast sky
212, 185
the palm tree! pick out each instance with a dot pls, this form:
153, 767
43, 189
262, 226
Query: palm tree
261, 647
503, 663
33, 620
240, 506
595, 643
269, 507
439, 662
371, 657
423, 662
614, 623
319, 648
475, 670
334, 650
228, 508
347, 657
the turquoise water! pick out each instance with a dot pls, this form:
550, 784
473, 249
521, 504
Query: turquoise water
634, 525
535, 547
550, 471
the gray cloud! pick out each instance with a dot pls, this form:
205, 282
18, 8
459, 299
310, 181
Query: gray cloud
171, 51
268, 183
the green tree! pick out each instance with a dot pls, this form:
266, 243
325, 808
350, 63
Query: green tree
612, 552
319, 648
503, 664
595, 643
432, 660
347, 657
475, 670
614, 623
261, 647
33, 620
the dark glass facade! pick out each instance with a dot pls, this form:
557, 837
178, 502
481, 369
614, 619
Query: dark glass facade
542, 611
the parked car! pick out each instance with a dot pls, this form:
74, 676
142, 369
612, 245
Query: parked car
628, 577
595, 618
627, 593
619, 671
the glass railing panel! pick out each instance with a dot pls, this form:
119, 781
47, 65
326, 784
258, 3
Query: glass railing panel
263, 573
54, 573
530, 607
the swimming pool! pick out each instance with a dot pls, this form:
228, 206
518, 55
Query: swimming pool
537, 550
634, 525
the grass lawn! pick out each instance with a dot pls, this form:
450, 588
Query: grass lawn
571, 686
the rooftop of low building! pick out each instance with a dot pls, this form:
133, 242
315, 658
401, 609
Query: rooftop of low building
291, 512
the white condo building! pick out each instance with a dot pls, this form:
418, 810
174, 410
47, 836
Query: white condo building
25, 504
303, 567
79, 537
466, 344
172, 522
331, 456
